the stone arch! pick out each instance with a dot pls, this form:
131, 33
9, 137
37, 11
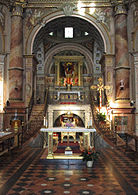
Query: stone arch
100, 27
68, 46
75, 115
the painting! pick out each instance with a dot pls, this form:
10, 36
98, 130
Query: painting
68, 70
68, 73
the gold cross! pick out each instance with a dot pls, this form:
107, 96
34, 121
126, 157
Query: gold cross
100, 87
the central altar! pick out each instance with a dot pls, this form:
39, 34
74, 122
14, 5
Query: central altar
66, 132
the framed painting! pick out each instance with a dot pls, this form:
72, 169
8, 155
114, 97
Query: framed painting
68, 70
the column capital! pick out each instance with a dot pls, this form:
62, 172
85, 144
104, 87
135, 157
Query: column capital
119, 7
17, 7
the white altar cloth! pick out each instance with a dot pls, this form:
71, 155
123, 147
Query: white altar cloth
3, 133
60, 129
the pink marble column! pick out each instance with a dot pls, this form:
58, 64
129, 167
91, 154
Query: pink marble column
16, 55
121, 53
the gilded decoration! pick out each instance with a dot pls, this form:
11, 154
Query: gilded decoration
68, 9
33, 16
36, 11
135, 14
2, 16
68, 69
103, 15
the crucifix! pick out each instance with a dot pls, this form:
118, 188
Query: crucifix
100, 87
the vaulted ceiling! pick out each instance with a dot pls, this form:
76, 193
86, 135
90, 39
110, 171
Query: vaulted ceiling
80, 26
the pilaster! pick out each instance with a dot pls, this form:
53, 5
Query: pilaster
136, 90
122, 69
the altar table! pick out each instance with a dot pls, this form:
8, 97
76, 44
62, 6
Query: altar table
85, 131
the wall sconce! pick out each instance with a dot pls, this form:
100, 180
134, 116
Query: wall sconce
132, 103
121, 84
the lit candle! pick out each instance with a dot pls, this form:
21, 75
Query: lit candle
44, 121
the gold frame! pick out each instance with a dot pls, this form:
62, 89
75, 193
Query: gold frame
78, 59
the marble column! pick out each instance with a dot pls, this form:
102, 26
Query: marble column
2, 58
16, 55
86, 140
136, 90
122, 69
50, 145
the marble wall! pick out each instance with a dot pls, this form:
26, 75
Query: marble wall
136, 90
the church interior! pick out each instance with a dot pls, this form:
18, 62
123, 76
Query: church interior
68, 97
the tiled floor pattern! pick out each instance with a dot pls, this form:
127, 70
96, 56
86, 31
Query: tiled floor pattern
10, 164
127, 168
27, 174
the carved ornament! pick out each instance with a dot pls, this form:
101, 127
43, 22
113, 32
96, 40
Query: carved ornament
68, 9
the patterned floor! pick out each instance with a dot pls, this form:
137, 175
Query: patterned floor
26, 173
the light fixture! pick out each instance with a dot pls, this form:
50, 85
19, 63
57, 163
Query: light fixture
132, 103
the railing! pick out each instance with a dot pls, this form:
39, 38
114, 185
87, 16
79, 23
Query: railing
30, 106
45, 101
104, 129
27, 129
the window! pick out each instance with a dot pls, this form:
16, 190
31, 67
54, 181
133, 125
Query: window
68, 32
86, 33
51, 33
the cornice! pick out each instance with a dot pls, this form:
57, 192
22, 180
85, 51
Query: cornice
57, 3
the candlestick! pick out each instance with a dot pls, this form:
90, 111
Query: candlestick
44, 121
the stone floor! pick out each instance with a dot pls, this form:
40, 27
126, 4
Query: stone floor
25, 172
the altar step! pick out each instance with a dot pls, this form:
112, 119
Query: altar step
65, 157
75, 147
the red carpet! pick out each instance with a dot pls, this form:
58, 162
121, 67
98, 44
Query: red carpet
74, 146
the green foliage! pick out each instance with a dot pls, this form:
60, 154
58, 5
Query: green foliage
90, 154
101, 116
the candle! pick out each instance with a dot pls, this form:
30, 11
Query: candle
44, 121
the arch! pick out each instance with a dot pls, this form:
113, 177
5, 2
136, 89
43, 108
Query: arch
100, 27
75, 116
68, 46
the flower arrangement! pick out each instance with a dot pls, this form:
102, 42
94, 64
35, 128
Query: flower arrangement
90, 154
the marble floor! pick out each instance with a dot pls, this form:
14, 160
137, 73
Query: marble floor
25, 172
